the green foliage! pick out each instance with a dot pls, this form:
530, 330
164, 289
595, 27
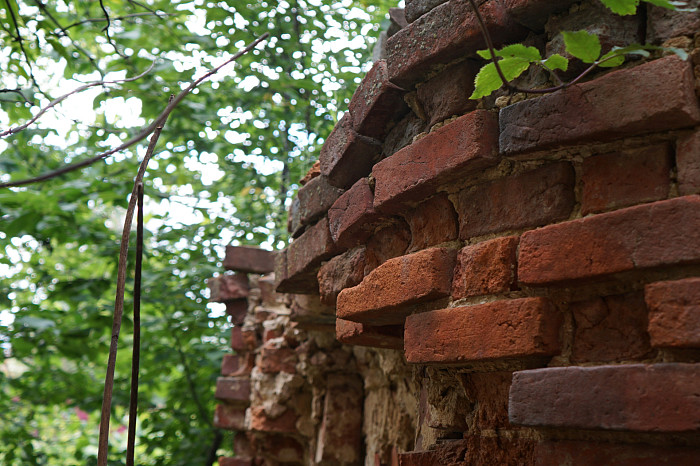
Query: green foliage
515, 59
225, 168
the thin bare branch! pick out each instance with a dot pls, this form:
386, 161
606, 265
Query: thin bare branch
106, 31
17, 91
117, 18
20, 41
144, 132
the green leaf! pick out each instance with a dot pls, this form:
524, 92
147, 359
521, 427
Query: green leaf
487, 80
556, 62
513, 51
662, 3
582, 45
622, 7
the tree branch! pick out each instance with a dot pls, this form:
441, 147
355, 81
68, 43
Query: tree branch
116, 18
20, 40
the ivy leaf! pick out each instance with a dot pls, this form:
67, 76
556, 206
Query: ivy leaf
662, 3
582, 45
513, 51
556, 62
487, 80
622, 7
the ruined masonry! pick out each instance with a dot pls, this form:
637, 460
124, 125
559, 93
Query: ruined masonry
513, 281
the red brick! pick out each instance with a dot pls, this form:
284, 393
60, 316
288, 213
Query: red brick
639, 397
313, 172
448, 153
447, 32
688, 163
433, 222
352, 217
417, 8
268, 296
294, 225
663, 24
233, 389
352, 333
610, 329
376, 104
272, 333
340, 435
485, 268
237, 310
282, 449
242, 445
623, 179
229, 417
674, 313
418, 458
347, 156
538, 197
387, 295
662, 97
304, 256
534, 13
310, 309
592, 453
447, 94
519, 328
387, 243
488, 393
243, 338
248, 259
237, 364
260, 421
403, 134
275, 359
315, 198
640, 237
228, 287
224, 461
343, 271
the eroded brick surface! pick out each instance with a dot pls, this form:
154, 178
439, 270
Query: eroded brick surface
488, 267
674, 313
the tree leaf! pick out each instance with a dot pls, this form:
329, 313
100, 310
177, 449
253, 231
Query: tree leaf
582, 45
622, 7
512, 51
662, 3
487, 80
556, 62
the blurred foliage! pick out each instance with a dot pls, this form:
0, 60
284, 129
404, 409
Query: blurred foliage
228, 162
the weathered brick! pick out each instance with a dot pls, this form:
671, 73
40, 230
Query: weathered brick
688, 163
294, 225
233, 389
610, 329
275, 359
248, 259
622, 179
226, 461
237, 364
485, 268
663, 98
592, 453
640, 237
402, 134
343, 271
447, 94
352, 217
313, 172
376, 104
243, 338
282, 449
447, 32
347, 156
237, 310
474, 450
448, 153
387, 295
663, 24
416, 8
262, 422
397, 18
638, 397
387, 243
304, 256
534, 13
268, 297
538, 197
229, 417
488, 393
433, 222
228, 287
310, 309
353, 333
315, 198
674, 313
519, 328
340, 434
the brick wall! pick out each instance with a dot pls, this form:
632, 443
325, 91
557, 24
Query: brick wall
509, 281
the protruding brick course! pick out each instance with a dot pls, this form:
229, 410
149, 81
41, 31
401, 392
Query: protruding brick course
352, 216
343, 271
663, 99
233, 390
315, 198
432, 223
674, 313
463, 146
650, 235
688, 163
386, 295
263, 422
485, 268
353, 333
228, 287
538, 197
519, 328
229, 417
249, 259
638, 397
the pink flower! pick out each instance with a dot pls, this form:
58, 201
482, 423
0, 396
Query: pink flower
82, 415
